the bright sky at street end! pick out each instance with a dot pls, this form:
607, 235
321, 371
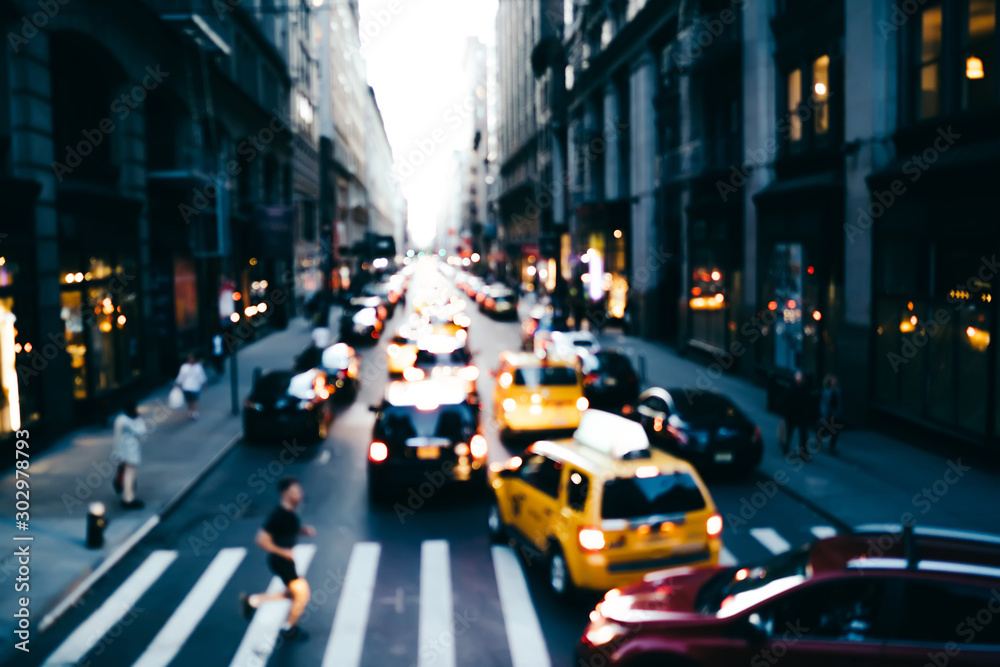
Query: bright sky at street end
415, 51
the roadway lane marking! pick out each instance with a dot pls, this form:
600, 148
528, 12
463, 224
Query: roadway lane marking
726, 557
87, 634
769, 537
436, 635
261, 636
350, 622
822, 532
524, 633
188, 615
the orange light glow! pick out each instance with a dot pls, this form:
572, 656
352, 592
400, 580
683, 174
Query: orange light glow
695, 291
811, 270
817, 315
773, 305
716, 275
237, 296
741, 574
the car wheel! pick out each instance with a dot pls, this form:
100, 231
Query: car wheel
494, 523
560, 580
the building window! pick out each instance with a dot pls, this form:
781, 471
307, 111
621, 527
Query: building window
930, 62
821, 94
979, 42
794, 100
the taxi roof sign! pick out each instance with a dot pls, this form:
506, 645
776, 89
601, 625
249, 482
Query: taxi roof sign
610, 434
420, 393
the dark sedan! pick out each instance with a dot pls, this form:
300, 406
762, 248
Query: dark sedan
703, 427
609, 382
285, 404
360, 323
500, 302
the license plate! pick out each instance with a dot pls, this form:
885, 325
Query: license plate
428, 452
723, 457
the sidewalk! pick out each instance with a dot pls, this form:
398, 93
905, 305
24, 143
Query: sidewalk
873, 479
77, 471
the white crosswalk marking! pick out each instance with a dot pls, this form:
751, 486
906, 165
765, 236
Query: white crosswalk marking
436, 633
822, 532
261, 637
726, 557
524, 633
168, 642
347, 637
85, 637
769, 537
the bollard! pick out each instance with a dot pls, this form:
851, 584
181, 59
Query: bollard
96, 522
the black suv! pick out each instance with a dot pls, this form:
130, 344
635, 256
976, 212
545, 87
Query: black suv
426, 435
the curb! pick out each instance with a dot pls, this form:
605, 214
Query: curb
63, 605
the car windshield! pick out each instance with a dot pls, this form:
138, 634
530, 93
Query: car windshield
548, 376
459, 357
752, 583
699, 406
635, 497
272, 385
615, 364
455, 422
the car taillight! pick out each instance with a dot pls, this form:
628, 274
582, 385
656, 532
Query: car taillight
714, 525
378, 452
678, 434
591, 539
479, 446
590, 378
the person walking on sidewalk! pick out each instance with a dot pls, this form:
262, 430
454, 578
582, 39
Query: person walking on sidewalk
830, 409
128, 429
277, 537
191, 379
798, 414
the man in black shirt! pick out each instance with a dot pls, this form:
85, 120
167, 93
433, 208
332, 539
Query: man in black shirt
277, 537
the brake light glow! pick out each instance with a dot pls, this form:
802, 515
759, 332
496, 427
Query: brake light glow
591, 539
741, 574
582, 403
643, 472
714, 525
479, 446
378, 452
505, 380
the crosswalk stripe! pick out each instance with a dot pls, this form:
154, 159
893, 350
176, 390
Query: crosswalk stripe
262, 635
87, 634
436, 638
524, 633
822, 532
769, 537
347, 637
188, 615
726, 557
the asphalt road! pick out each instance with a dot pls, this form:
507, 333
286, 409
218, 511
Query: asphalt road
418, 588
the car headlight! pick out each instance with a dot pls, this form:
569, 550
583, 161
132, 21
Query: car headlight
602, 634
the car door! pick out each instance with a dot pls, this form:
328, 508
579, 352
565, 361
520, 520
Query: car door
944, 622
833, 623
533, 498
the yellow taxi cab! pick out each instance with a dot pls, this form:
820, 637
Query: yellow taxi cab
402, 350
603, 508
535, 394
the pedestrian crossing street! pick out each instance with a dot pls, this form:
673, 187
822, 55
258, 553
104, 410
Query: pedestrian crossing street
345, 642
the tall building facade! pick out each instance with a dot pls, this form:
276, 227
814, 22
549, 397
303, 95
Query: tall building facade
783, 187
145, 158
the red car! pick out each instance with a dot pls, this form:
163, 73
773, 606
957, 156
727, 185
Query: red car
885, 596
